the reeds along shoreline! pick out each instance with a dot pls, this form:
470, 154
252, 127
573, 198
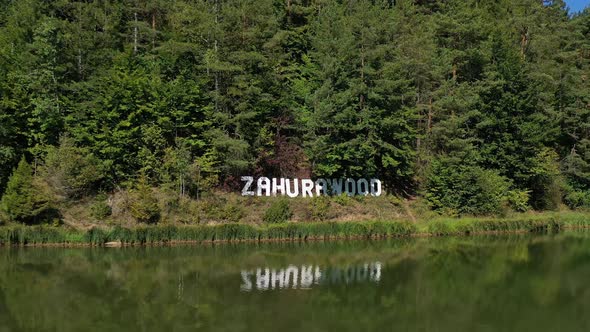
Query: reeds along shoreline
235, 232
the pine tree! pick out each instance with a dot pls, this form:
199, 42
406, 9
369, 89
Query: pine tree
144, 205
22, 201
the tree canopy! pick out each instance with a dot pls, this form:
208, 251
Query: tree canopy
427, 95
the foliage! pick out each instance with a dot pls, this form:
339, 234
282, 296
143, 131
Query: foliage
319, 208
220, 209
100, 209
518, 200
71, 172
23, 200
466, 189
468, 226
578, 199
278, 212
144, 205
194, 94
158, 234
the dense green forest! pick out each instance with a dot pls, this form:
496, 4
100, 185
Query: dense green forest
472, 105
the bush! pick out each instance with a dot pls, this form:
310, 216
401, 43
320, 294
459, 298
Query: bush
576, 199
546, 183
319, 208
220, 209
144, 205
518, 200
70, 171
466, 189
343, 199
100, 209
278, 212
232, 212
24, 201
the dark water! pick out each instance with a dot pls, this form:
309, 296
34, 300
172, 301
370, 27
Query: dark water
504, 283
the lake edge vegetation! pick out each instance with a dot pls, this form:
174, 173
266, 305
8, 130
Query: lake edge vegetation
43, 235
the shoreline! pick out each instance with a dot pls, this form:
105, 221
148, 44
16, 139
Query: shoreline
171, 235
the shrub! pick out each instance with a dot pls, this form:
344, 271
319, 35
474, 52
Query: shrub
466, 189
546, 183
232, 212
319, 208
24, 201
278, 212
100, 209
144, 205
220, 209
343, 199
518, 200
70, 171
576, 199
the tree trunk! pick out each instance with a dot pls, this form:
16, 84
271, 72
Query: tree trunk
362, 96
135, 34
430, 113
79, 40
289, 12
215, 47
524, 41
153, 29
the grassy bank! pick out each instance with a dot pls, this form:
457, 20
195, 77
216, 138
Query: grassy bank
161, 234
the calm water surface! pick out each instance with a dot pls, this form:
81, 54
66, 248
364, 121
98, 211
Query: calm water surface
504, 283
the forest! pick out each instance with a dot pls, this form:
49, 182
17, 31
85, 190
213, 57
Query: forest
473, 107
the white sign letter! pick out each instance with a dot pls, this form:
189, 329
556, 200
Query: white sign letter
336, 188
278, 187
306, 186
362, 187
246, 190
263, 184
350, 187
321, 187
295, 191
375, 187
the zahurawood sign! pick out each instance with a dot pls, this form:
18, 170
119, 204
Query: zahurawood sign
264, 186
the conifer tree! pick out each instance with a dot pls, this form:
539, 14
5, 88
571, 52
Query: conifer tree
22, 201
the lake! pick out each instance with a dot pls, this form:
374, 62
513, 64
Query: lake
488, 283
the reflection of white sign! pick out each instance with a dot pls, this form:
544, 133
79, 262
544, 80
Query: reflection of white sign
308, 188
307, 275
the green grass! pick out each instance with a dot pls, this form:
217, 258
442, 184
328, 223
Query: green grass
523, 223
141, 235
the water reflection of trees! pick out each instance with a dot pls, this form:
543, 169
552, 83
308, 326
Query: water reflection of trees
505, 283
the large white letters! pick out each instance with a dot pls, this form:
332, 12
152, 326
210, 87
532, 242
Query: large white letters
307, 187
